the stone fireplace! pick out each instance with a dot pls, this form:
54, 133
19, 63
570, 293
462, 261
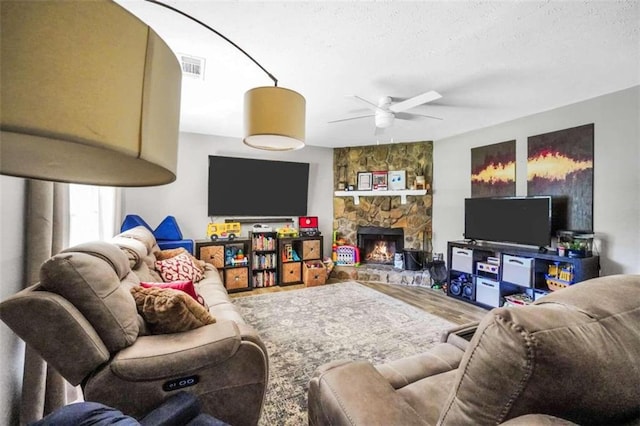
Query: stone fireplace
379, 245
378, 210
406, 221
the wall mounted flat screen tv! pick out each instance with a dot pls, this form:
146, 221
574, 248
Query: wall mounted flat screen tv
250, 187
518, 220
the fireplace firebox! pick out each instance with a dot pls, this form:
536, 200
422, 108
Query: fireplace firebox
379, 245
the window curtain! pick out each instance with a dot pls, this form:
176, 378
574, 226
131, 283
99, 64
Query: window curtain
94, 213
46, 233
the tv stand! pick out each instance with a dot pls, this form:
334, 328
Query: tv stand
485, 273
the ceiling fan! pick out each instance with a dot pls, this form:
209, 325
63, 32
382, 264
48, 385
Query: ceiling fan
386, 111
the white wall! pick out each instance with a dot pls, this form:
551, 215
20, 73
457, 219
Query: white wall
11, 270
186, 198
616, 172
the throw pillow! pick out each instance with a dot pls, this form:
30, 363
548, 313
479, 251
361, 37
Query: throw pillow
166, 310
169, 253
179, 268
186, 286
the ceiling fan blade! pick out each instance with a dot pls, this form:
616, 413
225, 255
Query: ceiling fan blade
412, 116
369, 105
415, 101
379, 131
351, 118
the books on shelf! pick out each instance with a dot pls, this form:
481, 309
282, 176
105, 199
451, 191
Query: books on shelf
264, 279
263, 242
264, 261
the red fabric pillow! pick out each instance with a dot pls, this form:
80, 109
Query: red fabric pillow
186, 286
179, 268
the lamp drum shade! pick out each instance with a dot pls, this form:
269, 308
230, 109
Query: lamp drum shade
90, 94
274, 119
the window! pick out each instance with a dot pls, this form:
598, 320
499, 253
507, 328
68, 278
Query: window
92, 213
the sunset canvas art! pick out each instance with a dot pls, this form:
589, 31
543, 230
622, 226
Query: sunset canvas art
560, 164
493, 170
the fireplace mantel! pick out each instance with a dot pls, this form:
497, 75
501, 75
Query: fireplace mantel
390, 193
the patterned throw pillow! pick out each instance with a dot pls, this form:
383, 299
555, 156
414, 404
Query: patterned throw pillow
166, 310
179, 268
186, 286
169, 253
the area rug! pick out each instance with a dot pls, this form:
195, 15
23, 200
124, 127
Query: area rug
303, 329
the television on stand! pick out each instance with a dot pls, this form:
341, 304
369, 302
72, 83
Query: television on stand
516, 220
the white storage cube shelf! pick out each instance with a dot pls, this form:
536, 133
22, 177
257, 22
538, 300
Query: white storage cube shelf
517, 270
462, 260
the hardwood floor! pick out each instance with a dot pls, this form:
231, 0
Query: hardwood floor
432, 301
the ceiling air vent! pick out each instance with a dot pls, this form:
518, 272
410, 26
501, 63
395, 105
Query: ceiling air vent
192, 66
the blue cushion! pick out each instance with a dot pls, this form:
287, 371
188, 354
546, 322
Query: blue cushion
168, 230
133, 220
167, 245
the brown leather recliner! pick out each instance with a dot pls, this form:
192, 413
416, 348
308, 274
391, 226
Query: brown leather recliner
82, 319
571, 357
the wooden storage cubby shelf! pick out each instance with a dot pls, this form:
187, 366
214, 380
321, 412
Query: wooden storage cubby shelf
475, 277
268, 260
292, 252
224, 255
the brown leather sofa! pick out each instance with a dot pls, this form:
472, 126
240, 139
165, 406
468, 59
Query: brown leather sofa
82, 319
571, 357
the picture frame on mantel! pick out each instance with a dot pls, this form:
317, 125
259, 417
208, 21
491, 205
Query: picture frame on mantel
380, 181
365, 182
397, 180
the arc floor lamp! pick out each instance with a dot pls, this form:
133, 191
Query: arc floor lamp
274, 117
90, 94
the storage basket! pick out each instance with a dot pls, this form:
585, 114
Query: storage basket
314, 273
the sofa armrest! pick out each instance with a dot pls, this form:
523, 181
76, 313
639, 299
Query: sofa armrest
57, 331
336, 397
167, 355
461, 335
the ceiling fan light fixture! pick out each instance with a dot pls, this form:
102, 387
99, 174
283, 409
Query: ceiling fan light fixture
386, 111
384, 119
274, 119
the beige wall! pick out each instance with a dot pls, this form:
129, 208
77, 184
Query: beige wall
616, 172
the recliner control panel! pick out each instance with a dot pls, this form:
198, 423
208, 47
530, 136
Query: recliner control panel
180, 383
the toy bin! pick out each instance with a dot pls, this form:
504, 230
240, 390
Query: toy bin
488, 292
462, 260
517, 270
314, 273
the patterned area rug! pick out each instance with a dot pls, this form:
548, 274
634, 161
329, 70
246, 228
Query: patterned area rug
306, 328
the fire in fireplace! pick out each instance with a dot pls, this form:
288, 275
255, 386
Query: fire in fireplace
379, 244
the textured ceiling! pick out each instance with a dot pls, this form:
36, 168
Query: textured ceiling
492, 61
